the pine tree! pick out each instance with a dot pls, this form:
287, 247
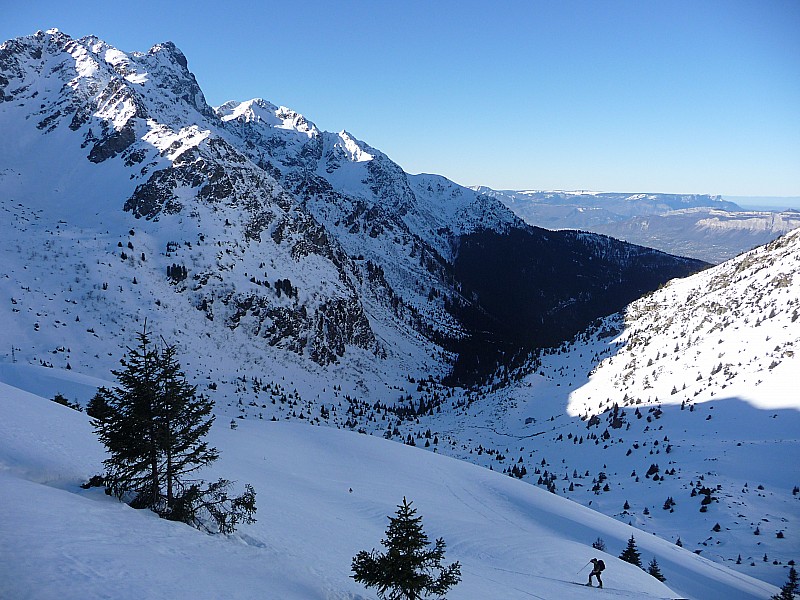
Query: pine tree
153, 425
791, 588
128, 426
599, 544
631, 553
184, 422
409, 570
654, 570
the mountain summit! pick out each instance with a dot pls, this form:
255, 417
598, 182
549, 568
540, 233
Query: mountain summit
290, 237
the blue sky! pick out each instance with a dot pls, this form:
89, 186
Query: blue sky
640, 95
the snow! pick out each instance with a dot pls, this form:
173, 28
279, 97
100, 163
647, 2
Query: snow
353, 150
70, 305
323, 495
740, 315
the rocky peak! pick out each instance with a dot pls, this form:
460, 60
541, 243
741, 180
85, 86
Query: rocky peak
173, 52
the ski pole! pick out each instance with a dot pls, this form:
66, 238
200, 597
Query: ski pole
583, 567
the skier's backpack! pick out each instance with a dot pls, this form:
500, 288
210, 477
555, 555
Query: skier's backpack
599, 566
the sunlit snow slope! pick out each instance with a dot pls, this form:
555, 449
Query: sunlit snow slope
680, 416
323, 495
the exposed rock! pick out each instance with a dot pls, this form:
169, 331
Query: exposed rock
113, 144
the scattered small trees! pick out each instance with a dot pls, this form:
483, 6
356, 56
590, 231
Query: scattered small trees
153, 425
63, 401
409, 570
599, 544
631, 553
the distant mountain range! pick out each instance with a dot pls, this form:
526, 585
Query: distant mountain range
710, 228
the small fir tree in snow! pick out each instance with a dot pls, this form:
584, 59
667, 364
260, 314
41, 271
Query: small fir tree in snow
599, 544
408, 570
631, 553
654, 570
791, 588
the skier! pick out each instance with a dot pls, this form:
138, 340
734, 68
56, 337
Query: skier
597, 567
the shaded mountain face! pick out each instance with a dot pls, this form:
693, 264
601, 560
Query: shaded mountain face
296, 239
535, 288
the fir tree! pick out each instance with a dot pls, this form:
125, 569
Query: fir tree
184, 422
153, 425
631, 553
599, 544
97, 408
128, 427
409, 570
654, 570
790, 589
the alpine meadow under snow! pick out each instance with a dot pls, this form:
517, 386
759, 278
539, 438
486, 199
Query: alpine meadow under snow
530, 391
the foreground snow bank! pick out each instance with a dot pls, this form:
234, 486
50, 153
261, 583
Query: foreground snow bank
323, 495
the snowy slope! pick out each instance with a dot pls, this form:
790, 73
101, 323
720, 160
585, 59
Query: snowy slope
702, 372
723, 332
323, 495
697, 225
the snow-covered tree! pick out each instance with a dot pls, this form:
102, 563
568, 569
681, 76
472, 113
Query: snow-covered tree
409, 569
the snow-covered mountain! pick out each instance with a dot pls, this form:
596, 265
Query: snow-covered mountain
247, 226
305, 277
705, 227
718, 333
